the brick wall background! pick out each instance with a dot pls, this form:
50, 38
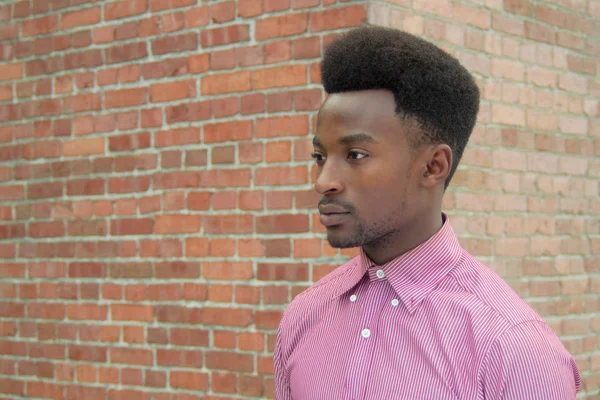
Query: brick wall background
156, 205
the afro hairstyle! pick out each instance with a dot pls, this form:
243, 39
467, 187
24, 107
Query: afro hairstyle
429, 86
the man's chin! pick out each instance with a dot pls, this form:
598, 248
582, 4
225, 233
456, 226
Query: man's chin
341, 242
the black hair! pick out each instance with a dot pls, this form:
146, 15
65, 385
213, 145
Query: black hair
430, 86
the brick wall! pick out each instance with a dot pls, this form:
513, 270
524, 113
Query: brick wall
156, 207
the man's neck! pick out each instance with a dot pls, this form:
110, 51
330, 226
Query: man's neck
405, 239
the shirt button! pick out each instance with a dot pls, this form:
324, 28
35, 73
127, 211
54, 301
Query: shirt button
380, 273
353, 297
395, 302
365, 333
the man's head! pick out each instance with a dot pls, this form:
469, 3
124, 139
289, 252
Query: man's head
391, 133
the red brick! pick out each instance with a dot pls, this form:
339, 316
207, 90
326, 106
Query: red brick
45, 311
223, 12
227, 270
224, 59
87, 311
125, 97
309, 47
129, 142
189, 380
198, 63
175, 43
155, 379
569, 40
249, 8
11, 71
539, 32
88, 16
123, 355
275, 294
223, 155
11, 310
250, 385
282, 126
190, 358
276, 5
285, 25
6, 92
224, 382
44, 389
279, 151
83, 147
228, 131
271, 176
220, 293
521, 7
342, 17
285, 76
305, 3
124, 8
226, 83
199, 16
251, 200
103, 34
221, 360
40, 26
172, 91
126, 312
128, 185
251, 55
472, 16
42, 149
281, 101
278, 51
172, 22
228, 224
167, 224
225, 35
126, 52
131, 226
177, 137
252, 104
226, 107
161, 5
82, 102
267, 319
282, 223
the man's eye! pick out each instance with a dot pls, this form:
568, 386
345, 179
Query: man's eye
355, 155
318, 158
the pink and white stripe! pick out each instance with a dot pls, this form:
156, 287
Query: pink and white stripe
434, 323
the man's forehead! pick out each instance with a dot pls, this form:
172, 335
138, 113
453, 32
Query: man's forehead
356, 102
349, 139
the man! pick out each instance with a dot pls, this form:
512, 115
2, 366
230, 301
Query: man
414, 316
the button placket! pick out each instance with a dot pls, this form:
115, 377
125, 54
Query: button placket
364, 341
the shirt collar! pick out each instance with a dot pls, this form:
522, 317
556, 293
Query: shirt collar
414, 274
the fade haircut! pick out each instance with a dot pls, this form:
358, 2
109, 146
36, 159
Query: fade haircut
430, 86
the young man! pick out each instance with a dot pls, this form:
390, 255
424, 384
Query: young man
414, 316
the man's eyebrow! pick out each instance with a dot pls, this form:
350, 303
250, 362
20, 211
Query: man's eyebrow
357, 137
348, 139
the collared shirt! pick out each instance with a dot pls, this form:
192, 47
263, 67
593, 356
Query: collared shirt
434, 323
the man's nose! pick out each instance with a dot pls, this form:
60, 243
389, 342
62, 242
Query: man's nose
329, 179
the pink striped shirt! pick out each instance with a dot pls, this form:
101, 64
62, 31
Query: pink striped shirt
434, 323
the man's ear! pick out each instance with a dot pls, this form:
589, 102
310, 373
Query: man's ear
436, 165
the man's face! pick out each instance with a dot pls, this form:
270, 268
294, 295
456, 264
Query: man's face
365, 168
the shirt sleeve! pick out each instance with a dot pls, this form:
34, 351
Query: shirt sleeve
528, 362
282, 384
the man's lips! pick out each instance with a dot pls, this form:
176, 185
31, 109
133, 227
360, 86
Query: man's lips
332, 209
331, 219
